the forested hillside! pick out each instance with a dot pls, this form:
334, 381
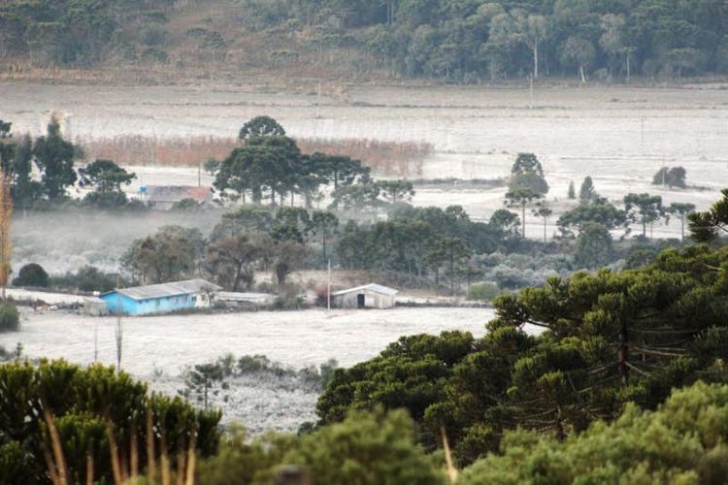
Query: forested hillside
464, 41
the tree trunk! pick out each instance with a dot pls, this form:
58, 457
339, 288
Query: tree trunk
452, 272
623, 355
523, 216
628, 67
535, 59
544, 230
581, 72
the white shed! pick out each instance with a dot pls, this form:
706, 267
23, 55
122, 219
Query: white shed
367, 296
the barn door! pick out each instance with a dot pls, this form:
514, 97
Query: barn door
360, 300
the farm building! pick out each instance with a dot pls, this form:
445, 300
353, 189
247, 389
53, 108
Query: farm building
163, 197
161, 298
367, 296
93, 306
244, 300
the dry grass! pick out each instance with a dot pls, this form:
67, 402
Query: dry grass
123, 475
171, 152
401, 159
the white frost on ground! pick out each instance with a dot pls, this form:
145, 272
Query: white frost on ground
159, 349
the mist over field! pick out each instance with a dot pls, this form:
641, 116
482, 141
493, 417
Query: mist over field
63, 241
451, 242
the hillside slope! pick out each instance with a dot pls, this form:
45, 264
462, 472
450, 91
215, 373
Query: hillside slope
463, 41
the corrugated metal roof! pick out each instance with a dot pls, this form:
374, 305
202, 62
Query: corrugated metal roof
163, 290
384, 290
175, 193
244, 297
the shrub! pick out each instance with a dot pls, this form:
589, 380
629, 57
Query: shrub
88, 278
9, 317
483, 291
32, 274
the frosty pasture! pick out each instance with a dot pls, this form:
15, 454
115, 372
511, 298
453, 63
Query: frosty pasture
160, 349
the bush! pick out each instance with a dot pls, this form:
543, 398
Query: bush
32, 275
483, 291
9, 317
88, 278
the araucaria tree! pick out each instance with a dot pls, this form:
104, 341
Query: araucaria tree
643, 209
54, 157
107, 178
681, 210
710, 225
521, 197
527, 173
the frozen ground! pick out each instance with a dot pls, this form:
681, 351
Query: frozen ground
620, 136
160, 349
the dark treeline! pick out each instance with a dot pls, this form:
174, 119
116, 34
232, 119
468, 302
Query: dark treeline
82, 32
455, 40
469, 40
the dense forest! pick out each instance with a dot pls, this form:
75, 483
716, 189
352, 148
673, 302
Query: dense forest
454, 40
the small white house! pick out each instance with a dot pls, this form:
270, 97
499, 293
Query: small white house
367, 296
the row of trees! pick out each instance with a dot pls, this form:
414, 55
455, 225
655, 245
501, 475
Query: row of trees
269, 162
42, 170
81, 32
467, 41
460, 40
93, 425
610, 338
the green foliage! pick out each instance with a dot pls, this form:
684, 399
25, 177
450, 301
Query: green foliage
671, 177
32, 274
643, 209
54, 157
107, 178
587, 194
681, 442
609, 339
373, 449
88, 278
366, 448
483, 291
598, 212
9, 317
708, 226
571, 194
261, 126
83, 403
527, 176
168, 255
458, 41
397, 191
233, 260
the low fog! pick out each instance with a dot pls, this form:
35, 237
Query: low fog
68, 240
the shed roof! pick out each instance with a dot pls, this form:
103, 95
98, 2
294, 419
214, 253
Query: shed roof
175, 193
164, 290
384, 290
244, 297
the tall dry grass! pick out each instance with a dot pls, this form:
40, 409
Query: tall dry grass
403, 159
123, 474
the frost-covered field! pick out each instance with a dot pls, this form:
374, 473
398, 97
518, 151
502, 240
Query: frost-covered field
620, 136
160, 349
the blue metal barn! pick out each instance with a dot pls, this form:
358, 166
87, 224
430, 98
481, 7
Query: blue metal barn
161, 298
